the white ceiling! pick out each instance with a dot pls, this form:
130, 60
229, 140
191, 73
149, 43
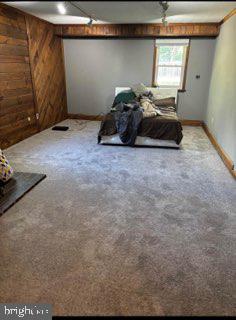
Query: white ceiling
127, 11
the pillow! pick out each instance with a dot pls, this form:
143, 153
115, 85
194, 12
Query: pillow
6, 171
124, 96
139, 89
170, 101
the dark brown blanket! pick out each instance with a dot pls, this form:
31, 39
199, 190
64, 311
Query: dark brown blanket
166, 127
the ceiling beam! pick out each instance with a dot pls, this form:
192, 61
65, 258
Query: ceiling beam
133, 30
138, 30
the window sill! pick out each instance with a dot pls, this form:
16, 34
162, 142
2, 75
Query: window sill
179, 90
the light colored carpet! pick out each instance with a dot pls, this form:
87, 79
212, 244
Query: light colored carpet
120, 230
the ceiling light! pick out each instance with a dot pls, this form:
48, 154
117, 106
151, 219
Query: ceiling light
61, 8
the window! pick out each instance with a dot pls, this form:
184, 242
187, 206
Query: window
170, 63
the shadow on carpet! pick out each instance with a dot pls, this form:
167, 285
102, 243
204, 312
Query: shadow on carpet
17, 187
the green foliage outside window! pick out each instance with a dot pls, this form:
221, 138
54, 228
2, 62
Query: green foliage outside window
170, 55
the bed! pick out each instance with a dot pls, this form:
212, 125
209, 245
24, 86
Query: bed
159, 131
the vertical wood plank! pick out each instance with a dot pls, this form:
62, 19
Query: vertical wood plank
186, 65
47, 64
154, 69
17, 113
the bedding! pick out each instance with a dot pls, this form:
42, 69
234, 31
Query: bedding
149, 110
124, 96
145, 116
165, 127
159, 101
139, 89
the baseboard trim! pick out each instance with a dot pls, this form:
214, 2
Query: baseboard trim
224, 156
82, 116
184, 122
195, 123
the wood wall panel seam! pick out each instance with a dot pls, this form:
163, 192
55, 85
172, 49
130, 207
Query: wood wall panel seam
32, 77
9, 49
13, 41
64, 68
11, 18
6, 30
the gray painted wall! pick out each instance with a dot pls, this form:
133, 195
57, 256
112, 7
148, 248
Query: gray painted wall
221, 110
95, 67
193, 102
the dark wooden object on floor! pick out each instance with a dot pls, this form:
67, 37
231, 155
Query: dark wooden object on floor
17, 187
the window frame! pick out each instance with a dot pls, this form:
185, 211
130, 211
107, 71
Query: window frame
184, 66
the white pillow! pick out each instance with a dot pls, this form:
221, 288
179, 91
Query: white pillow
161, 96
139, 89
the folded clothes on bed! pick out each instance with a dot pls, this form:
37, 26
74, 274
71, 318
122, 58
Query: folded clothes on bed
149, 108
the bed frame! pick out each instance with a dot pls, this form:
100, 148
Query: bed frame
145, 141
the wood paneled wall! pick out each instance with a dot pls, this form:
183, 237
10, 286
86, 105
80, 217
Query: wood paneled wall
17, 109
32, 76
47, 63
138, 30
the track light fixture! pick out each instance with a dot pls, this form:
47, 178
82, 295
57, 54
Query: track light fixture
91, 17
90, 22
164, 21
164, 5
